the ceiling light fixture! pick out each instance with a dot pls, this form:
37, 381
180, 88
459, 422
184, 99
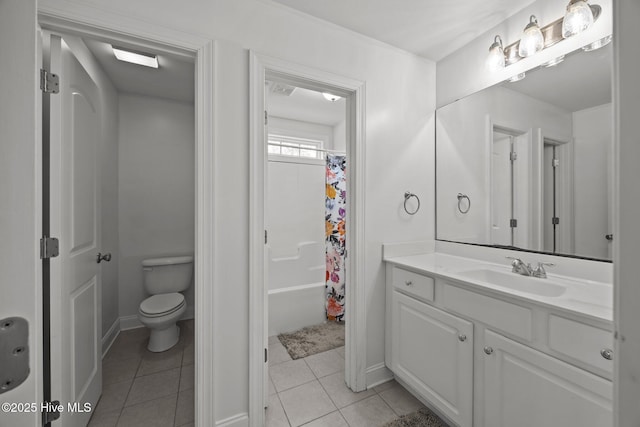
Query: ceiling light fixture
495, 60
134, 57
578, 17
330, 97
532, 40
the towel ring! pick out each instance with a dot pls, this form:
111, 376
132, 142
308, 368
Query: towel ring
407, 196
460, 198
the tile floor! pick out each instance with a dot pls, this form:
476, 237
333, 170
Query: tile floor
141, 388
311, 392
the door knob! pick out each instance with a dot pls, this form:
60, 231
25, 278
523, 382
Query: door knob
104, 257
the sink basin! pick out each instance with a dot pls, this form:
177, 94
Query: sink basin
530, 285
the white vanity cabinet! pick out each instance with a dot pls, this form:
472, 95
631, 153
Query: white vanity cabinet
483, 359
432, 352
524, 387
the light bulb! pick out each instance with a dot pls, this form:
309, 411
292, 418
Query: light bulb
578, 18
495, 60
532, 40
330, 97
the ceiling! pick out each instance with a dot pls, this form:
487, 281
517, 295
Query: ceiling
582, 80
429, 28
304, 105
174, 79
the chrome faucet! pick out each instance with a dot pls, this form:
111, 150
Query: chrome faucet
525, 269
519, 266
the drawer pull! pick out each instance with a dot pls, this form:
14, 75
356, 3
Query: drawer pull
488, 350
462, 337
606, 353
408, 283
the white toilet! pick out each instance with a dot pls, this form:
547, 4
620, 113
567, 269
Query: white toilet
164, 279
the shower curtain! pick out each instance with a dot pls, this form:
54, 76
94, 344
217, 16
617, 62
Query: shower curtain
335, 202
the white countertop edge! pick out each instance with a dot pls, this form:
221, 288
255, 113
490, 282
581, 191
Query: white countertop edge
428, 264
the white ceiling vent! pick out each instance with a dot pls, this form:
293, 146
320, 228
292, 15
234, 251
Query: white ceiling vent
281, 88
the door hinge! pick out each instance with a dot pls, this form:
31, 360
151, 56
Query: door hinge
49, 247
266, 358
49, 82
265, 237
266, 117
513, 156
50, 411
555, 163
555, 220
513, 223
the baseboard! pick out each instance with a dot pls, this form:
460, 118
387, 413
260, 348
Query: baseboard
378, 374
110, 336
239, 420
132, 322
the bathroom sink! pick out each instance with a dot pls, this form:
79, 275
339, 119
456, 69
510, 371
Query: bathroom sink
530, 285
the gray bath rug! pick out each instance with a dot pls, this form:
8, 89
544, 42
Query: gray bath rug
420, 418
313, 339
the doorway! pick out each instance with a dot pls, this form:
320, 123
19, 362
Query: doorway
265, 69
201, 138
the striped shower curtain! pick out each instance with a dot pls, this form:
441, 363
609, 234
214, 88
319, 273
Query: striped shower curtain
335, 214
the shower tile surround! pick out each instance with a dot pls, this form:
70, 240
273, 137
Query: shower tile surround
311, 392
141, 388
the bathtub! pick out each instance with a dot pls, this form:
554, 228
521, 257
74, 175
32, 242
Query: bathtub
297, 289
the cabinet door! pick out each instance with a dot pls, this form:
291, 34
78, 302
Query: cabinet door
526, 388
432, 352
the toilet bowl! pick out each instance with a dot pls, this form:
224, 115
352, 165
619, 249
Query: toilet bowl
164, 279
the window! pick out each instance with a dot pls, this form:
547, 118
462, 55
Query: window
295, 147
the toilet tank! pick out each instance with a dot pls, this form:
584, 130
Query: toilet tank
168, 274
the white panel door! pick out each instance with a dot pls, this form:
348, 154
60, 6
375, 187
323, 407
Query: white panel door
526, 388
432, 351
20, 195
75, 218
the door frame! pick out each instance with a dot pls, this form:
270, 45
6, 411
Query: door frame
145, 35
355, 348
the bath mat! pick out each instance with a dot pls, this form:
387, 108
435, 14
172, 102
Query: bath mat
420, 418
313, 339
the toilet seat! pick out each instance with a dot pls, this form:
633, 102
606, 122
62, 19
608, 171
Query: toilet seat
162, 304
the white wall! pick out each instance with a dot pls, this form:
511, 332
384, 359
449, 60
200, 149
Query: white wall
155, 191
465, 72
295, 206
399, 143
340, 136
108, 157
593, 145
463, 153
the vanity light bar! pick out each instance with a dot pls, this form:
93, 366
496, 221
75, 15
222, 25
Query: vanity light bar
552, 34
134, 57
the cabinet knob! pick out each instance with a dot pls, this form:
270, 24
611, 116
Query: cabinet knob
462, 337
488, 350
408, 283
606, 353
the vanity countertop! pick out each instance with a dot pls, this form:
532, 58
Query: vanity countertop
583, 297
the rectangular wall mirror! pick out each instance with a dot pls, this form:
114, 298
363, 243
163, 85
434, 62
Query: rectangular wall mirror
528, 164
